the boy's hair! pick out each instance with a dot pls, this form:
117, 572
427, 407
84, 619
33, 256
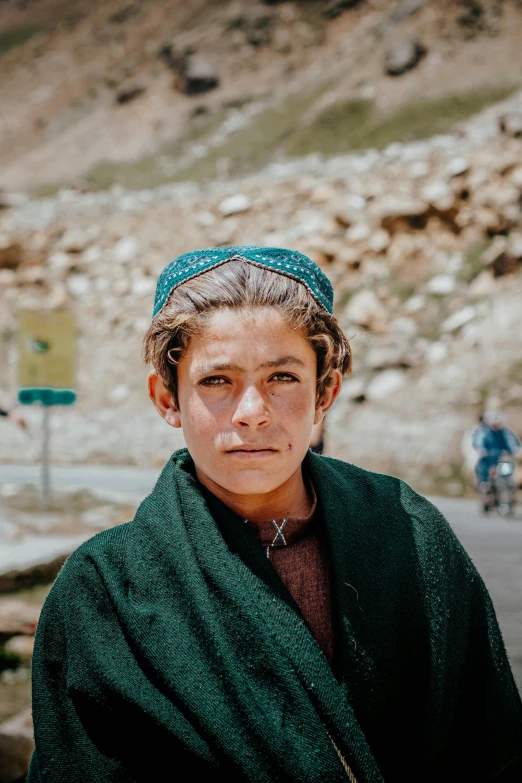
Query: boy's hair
240, 285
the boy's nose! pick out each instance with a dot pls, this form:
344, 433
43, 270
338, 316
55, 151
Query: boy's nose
251, 410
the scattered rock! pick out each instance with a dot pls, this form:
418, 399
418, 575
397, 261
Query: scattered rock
79, 286
400, 214
436, 352
21, 646
359, 232
438, 194
196, 76
415, 303
392, 355
11, 256
407, 9
256, 24
441, 285
126, 250
365, 309
124, 14
143, 286
511, 124
16, 747
17, 617
482, 285
379, 242
7, 277
354, 388
74, 240
459, 319
335, 8
505, 264
404, 56
457, 167
472, 16
119, 393
385, 384
129, 94
233, 205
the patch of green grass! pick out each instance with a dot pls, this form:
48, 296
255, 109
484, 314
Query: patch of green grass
246, 150
357, 125
472, 264
150, 171
257, 144
514, 372
17, 36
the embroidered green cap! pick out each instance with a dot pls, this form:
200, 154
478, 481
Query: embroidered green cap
285, 262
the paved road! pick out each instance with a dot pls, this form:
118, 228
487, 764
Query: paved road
495, 545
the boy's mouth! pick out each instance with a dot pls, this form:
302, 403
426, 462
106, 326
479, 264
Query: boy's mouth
252, 451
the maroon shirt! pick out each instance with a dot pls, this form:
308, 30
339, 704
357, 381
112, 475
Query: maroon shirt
298, 554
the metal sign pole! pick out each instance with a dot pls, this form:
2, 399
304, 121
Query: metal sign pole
46, 465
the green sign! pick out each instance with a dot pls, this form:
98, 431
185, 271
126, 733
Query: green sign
46, 396
46, 357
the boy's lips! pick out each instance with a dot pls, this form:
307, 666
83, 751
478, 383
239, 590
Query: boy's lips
252, 451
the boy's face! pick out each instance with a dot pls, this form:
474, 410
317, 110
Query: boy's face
247, 400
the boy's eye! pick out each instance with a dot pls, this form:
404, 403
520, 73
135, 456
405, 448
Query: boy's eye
283, 376
214, 381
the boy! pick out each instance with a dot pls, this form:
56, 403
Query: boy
270, 614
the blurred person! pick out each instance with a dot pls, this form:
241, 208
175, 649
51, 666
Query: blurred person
14, 416
490, 440
268, 614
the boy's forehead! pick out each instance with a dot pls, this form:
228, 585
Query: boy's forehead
239, 338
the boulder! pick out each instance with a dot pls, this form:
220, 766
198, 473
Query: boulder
404, 56
17, 617
79, 286
400, 214
406, 9
74, 240
385, 384
196, 75
16, 747
21, 646
354, 388
125, 250
511, 124
505, 264
391, 355
233, 205
365, 309
436, 352
441, 285
143, 286
256, 24
11, 256
335, 7
129, 94
459, 319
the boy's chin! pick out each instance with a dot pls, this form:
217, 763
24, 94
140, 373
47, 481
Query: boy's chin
252, 483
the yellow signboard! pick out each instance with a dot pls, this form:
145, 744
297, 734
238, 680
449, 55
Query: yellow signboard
46, 349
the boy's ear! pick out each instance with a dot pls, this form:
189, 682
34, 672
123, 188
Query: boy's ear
330, 395
162, 400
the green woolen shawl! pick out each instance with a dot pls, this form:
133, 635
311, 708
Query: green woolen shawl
169, 649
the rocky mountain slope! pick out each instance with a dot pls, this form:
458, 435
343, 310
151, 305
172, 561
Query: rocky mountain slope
422, 239
141, 93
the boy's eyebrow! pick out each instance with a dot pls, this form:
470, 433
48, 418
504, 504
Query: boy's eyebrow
282, 361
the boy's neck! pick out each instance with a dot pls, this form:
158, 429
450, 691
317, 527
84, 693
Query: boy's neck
290, 500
